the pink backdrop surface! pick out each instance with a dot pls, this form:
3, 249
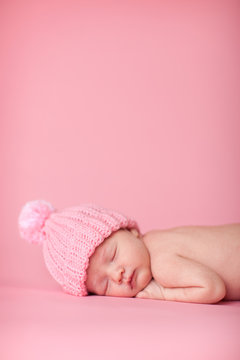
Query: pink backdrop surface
52, 325
133, 105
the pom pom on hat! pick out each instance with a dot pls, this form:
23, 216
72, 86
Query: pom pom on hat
32, 220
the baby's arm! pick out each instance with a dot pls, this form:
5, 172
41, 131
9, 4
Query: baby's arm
181, 279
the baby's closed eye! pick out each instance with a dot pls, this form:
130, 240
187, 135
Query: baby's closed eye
114, 254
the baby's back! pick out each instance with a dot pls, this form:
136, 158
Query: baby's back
217, 247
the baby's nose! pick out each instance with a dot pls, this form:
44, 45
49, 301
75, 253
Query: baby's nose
117, 275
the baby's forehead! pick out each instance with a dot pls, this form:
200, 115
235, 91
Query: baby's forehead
107, 242
116, 235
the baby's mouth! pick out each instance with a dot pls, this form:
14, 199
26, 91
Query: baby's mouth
132, 281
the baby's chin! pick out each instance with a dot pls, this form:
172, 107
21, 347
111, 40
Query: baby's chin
126, 292
132, 293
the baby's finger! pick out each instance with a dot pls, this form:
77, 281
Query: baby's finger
142, 295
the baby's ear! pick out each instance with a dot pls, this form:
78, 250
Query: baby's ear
135, 232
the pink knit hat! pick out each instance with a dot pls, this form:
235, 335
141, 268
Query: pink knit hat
69, 237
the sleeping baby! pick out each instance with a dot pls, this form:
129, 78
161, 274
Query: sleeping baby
92, 250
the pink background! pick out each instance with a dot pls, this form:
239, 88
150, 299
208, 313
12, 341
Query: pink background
133, 105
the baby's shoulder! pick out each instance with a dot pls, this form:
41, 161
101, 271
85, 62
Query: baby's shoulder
159, 240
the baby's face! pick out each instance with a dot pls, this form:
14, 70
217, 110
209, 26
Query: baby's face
120, 266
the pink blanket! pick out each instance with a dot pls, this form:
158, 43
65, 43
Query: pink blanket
38, 324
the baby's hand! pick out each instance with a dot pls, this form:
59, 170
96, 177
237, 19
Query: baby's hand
152, 291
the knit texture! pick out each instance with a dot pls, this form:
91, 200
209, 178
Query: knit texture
69, 237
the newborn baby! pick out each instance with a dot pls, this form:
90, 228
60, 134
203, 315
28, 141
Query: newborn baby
193, 264
90, 249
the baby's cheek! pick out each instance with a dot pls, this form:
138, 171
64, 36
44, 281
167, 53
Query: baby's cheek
144, 279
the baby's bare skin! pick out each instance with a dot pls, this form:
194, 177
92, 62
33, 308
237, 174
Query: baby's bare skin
194, 263
198, 264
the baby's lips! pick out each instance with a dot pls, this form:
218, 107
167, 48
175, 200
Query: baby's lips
133, 280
